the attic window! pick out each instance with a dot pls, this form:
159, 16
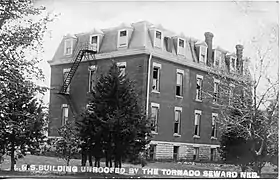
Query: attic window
203, 54
158, 35
217, 58
233, 63
181, 43
68, 46
93, 43
158, 39
122, 38
93, 39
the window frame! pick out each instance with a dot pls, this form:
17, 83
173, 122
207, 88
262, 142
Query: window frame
65, 47
121, 38
199, 91
157, 106
158, 42
66, 70
122, 65
216, 91
180, 110
200, 52
233, 68
181, 86
64, 117
197, 123
214, 126
94, 45
92, 70
180, 49
196, 153
157, 81
217, 57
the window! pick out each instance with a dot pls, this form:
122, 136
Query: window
233, 63
181, 43
68, 46
175, 152
152, 152
64, 117
156, 77
196, 153
154, 117
158, 40
65, 75
93, 43
199, 80
122, 66
122, 38
213, 154
92, 71
216, 91
197, 119
177, 122
214, 125
179, 83
203, 54
218, 58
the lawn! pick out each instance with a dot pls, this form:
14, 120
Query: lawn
163, 168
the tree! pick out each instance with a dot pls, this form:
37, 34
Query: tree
67, 147
243, 100
119, 123
22, 28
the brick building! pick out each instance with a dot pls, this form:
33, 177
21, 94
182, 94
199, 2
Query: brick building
170, 71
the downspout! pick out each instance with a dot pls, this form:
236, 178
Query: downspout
148, 84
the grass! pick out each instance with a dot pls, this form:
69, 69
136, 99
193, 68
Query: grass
267, 171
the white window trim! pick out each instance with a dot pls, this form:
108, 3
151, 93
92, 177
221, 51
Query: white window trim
62, 116
91, 69
214, 115
218, 82
220, 58
179, 47
157, 65
64, 105
157, 106
205, 58
181, 110
119, 32
121, 64
235, 63
198, 77
66, 70
161, 40
71, 40
97, 43
197, 112
180, 71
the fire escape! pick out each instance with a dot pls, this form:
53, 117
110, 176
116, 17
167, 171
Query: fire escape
84, 50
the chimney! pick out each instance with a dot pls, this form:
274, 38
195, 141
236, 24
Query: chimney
239, 54
208, 39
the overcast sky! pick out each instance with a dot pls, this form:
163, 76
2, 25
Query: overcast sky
231, 23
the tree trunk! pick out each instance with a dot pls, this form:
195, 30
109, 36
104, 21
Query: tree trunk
12, 153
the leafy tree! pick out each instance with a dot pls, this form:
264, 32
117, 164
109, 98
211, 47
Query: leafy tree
22, 28
119, 123
248, 112
67, 147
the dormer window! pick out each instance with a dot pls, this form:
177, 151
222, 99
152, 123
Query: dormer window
122, 38
233, 63
203, 54
158, 39
68, 46
181, 46
94, 43
217, 58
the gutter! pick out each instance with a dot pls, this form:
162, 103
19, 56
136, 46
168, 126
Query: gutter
148, 84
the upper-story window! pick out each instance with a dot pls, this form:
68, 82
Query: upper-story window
197, 119
203, 54
158, 40
179, 82
68, 46
177, 122
122, 38
65, 75
199, 81
156, 77
92, 77
217, 58
94, 43
216, 90
64, 114
122, 66
181, 46
233, 63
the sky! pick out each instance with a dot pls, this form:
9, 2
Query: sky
231, 22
